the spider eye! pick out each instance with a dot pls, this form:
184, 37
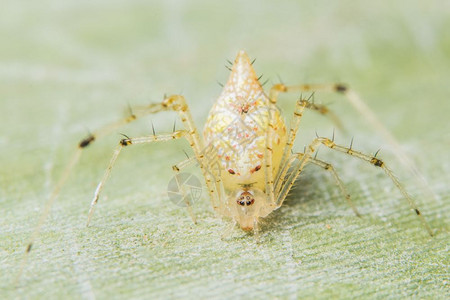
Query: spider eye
245, 199
257, 168
231, 171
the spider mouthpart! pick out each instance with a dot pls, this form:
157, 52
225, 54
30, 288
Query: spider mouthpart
245, 199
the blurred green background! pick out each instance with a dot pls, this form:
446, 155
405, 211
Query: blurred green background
67, 67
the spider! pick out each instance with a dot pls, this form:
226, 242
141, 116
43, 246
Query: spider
245, 154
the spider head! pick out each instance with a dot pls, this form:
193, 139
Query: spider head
247, 206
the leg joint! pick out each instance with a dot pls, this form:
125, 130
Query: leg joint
376, 162
341, 88
279, 87
131, 118
84, 143
125, 142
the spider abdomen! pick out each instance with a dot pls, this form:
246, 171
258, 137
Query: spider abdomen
237, 128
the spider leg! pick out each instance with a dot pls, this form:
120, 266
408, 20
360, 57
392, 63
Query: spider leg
143, 111
293, 128
178, 104
329, 167
152, 108
124, 143
273, 185
183, 164
213, 181
268, 167
212, 168
300, 106
177, 168
325, 111
306, 157
367, 113
175, 103
319, 108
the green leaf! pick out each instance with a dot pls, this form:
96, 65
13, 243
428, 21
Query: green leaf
70, 67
